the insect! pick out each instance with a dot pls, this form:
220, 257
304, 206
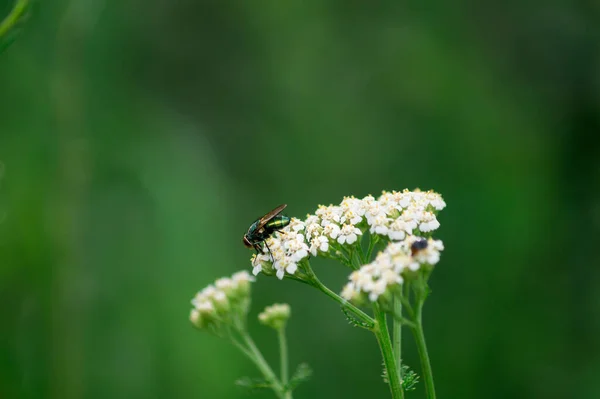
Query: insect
417, 246
263, 227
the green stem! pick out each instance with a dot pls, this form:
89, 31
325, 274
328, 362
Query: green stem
385, 344
315, 282
13, 17
397, 334
254, 354
423, 355
362, 316
346, 256
283, 360
373, 240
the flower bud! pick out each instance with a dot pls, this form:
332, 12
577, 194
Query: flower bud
202, 314
275, 316
226, 285
241, 281
196, 319
220, 302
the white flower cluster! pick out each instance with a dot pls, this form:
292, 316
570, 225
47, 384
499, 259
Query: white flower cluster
391, 266
218, 299
275, 316
395, 215
288, 247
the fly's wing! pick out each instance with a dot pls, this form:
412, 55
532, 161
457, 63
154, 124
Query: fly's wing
265, 219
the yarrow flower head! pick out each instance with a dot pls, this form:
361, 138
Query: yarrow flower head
275, 316
283, 251
398, 262
393, 216
221, 300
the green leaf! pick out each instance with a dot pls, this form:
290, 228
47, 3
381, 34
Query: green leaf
409, 378
355, 322
252, 385
303, 373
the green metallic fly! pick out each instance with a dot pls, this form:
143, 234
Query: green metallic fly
263, 227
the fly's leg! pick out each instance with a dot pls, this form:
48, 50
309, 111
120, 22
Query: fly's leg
270, 253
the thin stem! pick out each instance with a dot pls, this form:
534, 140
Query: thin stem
315, 282
260, 362
362, 316
13, 17
373, 240
404, 321
243, 349
283, 360
385, 344
346, 256
405, 299
397, 334
422, 349
361, 254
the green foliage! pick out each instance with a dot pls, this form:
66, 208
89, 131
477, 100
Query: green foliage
302, 374
409, 378
253, 385
129, 185
12, 24
354, 321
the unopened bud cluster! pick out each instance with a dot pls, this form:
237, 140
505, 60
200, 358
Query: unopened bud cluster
275, 316
219, 302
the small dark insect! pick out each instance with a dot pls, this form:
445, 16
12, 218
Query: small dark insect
263, 227
417, 246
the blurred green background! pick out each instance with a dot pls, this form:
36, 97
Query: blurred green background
139, 139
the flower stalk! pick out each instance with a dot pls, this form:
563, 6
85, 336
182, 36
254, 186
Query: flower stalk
389, 272
385, 344
13, 18
397, 333
257, 358
283, 360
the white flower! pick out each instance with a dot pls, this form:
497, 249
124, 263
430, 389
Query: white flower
391, 266
379, 224
295, 225
409, 218
296, 247
313, 227
332, 231
280, 273
320, 243
348, 234
397, 230
373, 209
435, 200
329, 214
388, 201
352, 210
428, 222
